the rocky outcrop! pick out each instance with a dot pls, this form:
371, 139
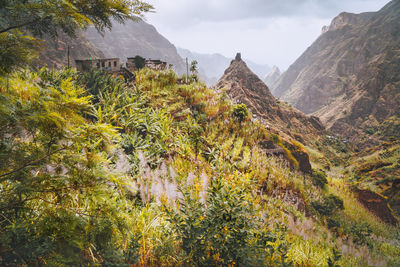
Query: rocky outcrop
349, 77
345, 18
272, 76
376, 204
136, 38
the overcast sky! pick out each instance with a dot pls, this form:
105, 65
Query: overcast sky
273, 32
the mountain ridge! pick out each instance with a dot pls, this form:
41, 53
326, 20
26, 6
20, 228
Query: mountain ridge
348, 77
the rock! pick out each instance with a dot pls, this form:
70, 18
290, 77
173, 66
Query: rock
212, 66
377, 205
238, 57
304, 161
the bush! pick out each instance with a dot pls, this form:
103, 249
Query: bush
361, 233
369, 131
333, 223
240, 112
328, 206
222, 231
319, 178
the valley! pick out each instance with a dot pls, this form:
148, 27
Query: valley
116, 152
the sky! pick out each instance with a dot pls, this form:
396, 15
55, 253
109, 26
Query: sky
272, 32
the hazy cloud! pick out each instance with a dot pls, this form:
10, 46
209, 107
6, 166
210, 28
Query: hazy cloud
185, 12
266, 31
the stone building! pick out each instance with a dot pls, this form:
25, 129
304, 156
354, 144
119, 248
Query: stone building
133, 64
138, 62
156, 64
108, 64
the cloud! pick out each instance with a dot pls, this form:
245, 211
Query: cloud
273, 32
182, 13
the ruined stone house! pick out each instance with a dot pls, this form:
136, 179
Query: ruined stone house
156, 64
133, 64
138, 62
108, 64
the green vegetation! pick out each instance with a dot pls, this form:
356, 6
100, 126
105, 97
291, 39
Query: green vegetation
98, 172
328, 206
240, 112
319, 178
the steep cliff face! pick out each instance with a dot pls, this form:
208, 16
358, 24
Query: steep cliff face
136, 38
349, 77
243, 86
54, 51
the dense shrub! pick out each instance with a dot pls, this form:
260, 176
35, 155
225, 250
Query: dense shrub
319, 178
328, 206
360, 233
223, 230
240, 112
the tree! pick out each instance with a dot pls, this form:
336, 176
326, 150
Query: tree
49, 16
15, 50
58, 201
194, 70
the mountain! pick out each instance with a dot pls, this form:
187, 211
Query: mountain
54, 51
243, 86
272, 76
136, 38
214, 65
350, 76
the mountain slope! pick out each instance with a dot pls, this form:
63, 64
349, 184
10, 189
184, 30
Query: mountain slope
136, 38
272, 76
54, 52
349, 77
243, 86
214, 65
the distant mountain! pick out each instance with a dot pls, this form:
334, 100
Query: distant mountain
272, 76
136, 38
350, 76
214, 65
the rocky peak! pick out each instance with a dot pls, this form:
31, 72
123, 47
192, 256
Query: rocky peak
238, 57
243, 86
347, 19
341, 20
